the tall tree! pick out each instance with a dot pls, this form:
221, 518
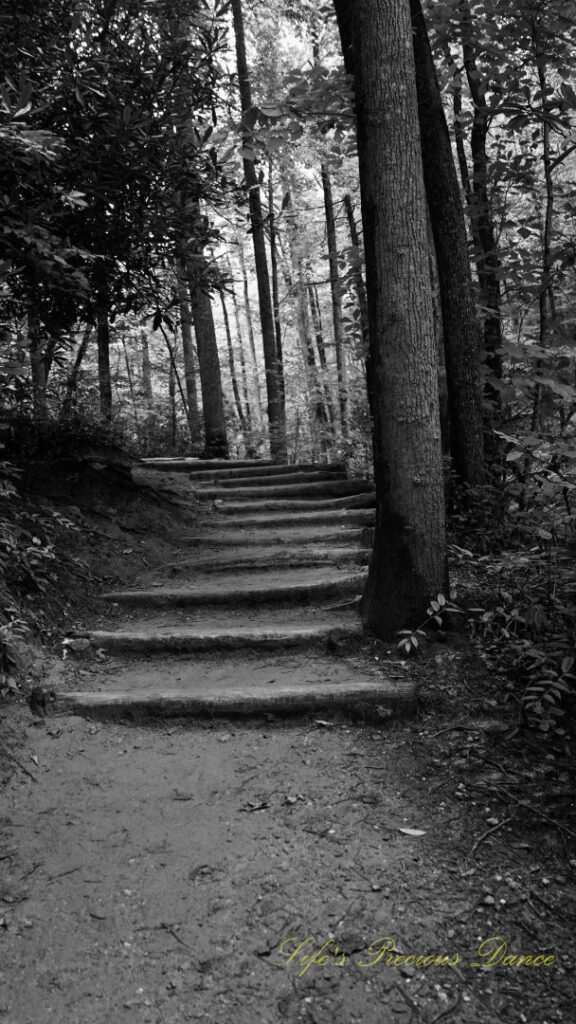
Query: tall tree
336, 293
481, 216
274, 382
461, 332
216, 445
408, 562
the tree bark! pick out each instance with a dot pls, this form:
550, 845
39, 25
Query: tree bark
461, 333
209, 362
274, 382
408, 563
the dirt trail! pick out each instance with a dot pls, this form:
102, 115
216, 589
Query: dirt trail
166, 871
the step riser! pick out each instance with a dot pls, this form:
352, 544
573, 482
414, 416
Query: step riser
271, 595
313, 490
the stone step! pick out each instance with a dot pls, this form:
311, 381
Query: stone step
321, 488
289, 535
231, 508
286, 586
364, 696
224, 634
189, 465
320, 517
260, 482
272, 555
263, 470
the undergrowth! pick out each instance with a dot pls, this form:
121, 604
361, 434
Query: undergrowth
517, 560
36, 563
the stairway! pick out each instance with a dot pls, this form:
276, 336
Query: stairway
275, 567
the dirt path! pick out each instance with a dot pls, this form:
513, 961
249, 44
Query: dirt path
167, 872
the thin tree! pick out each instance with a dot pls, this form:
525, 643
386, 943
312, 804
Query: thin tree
194, 418
408, 562
461, 330
483, 229
274, 383
336, 293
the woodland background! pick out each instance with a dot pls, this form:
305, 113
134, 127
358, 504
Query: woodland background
182, 270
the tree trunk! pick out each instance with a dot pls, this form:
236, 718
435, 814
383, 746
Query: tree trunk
38, 368
275, 286
336, 292
149, 415
546, 301
194, 419
274, 382
172, 403
72, 382
361, 296
250, 326
316, 317
232, 365
460, 325
408, 564
488, 260
103, 337
209, 363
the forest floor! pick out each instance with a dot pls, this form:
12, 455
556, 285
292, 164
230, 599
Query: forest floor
181, 870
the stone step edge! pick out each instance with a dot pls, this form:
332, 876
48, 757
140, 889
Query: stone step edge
261, 481
225, 538
381, 697
282, 556
222, 638
188, 596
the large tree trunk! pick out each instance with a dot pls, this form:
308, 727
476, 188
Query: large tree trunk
461, 333
336, 292
274, 382
408, 563
209, 363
